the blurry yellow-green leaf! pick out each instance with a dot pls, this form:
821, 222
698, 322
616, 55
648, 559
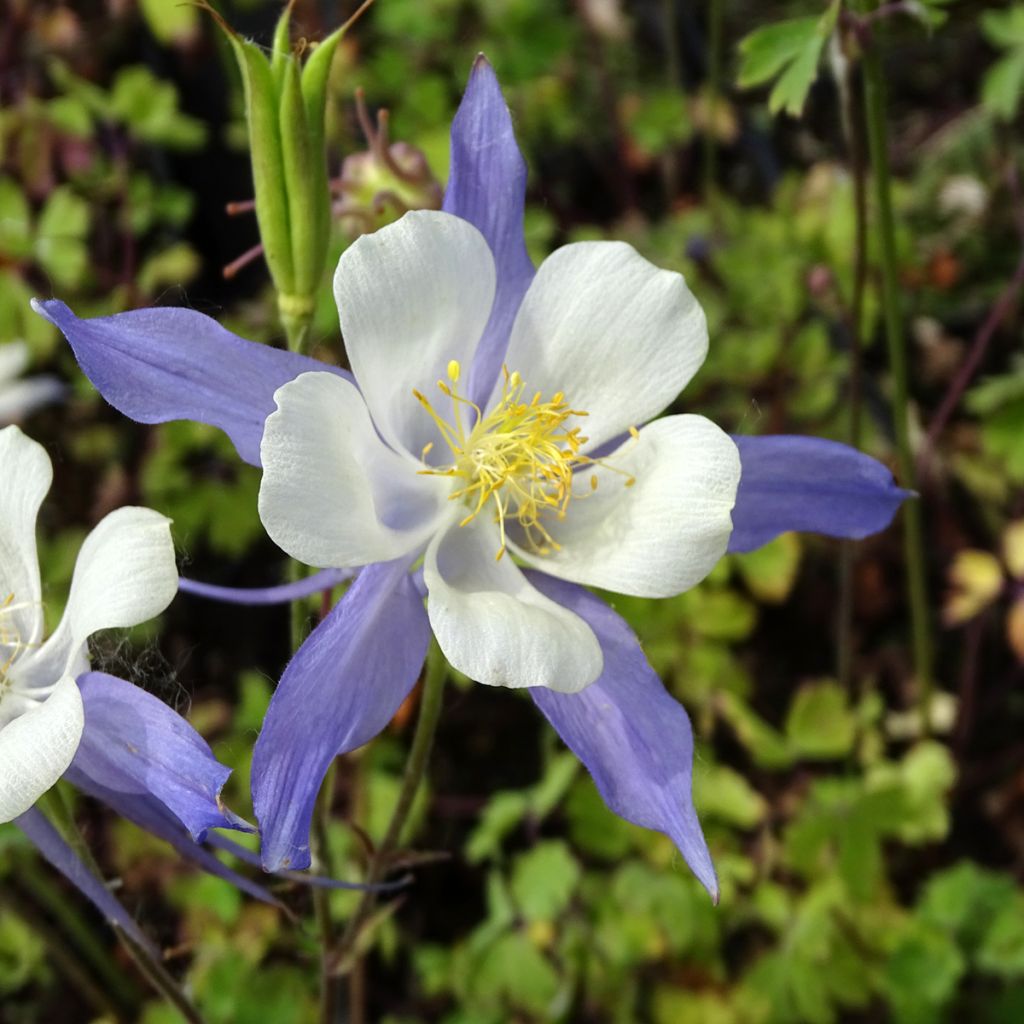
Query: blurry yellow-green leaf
719, 792
1013, 548
771, 571
171, 22
820, 724
976, 578
15, 220
543, 880
1015, 628
766, 745
177, 264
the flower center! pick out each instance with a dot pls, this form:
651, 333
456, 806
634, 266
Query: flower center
10, 639
522, 457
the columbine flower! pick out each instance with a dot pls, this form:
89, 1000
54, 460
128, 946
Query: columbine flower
603, 341
106, 736
599, 331
20, 397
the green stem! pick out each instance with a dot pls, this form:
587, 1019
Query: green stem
714, 91
847, 548
913, 538
298, 335
296, 314
54, 805
67, 957
321, 898
431, 700
64, 912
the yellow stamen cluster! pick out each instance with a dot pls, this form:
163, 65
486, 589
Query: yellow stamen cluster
11, 642
522, 456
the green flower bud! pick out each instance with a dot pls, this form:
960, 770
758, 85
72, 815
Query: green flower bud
285, 102
386, 180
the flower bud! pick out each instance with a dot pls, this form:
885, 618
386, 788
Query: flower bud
285, 101
385, 181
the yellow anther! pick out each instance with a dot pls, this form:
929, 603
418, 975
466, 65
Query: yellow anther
522, 457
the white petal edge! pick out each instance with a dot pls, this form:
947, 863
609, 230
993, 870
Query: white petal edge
333, 494
411, 297
22, 397
37, 747
664, 533
492, 625
14, 357
125, 574
27, 474
617, 335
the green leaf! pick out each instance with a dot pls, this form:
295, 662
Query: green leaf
177, 264
770, 571
504, 811
767, 50
767, 747
788, 51
922, 975
15, 220
22, 953
592, 827
719, 792
559, 775
169, 21
60, 234
148, 107
513, 969
660, 122
1002, 950
544, 880
1003, 85
820, 724
790, 91
1004, 28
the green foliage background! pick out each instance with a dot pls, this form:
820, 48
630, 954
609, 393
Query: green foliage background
869, 873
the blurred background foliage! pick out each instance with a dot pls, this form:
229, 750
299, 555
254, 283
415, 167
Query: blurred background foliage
869, 872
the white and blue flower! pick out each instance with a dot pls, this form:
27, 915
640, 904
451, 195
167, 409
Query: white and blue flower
500, 427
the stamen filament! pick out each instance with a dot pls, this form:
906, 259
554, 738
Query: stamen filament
522, 456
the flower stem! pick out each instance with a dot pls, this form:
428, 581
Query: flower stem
38, 886
713, 95
54, 805
913, 539
431, 700
298, 623
855, 321
321, 898
67, 958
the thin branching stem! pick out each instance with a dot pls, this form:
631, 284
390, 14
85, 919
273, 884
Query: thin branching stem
855, 329
431, 700
56, 809
913, 529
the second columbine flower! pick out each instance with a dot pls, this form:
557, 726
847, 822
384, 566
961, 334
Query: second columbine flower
556, 468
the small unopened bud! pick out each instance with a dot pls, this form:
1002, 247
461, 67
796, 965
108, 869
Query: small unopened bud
389, 178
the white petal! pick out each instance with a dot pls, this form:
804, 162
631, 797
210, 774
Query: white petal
664, 533
493, 625
17, 400
13, 360
332, 494
617, 335
36, 748
124, 575
412, 297
26, 474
